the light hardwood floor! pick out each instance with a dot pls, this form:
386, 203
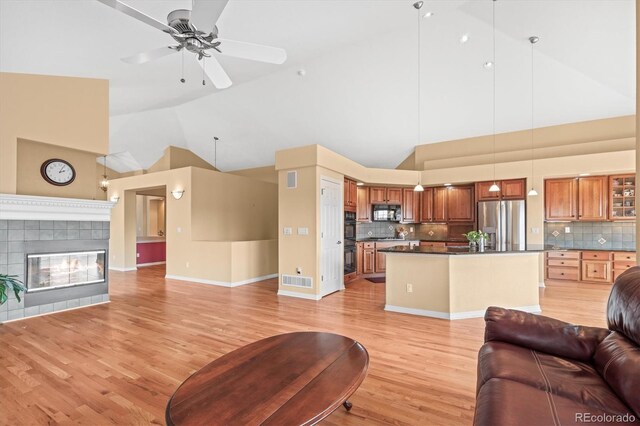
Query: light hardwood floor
118, 363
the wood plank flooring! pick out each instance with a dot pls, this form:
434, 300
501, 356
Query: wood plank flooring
119, 363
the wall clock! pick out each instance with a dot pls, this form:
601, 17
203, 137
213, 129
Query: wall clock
58, 172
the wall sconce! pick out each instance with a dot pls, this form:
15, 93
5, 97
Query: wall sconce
115, 199
177, 194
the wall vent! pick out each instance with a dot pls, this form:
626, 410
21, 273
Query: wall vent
292, 180
297, 281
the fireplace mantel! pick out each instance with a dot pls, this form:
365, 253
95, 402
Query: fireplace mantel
31, 207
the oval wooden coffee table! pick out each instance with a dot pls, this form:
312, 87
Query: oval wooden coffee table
289, 379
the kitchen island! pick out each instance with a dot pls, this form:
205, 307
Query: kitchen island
456, 283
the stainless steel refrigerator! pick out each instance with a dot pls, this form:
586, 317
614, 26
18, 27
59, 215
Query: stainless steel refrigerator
504, 221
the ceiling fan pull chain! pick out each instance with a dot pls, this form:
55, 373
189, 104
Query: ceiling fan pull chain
182, 80
203, 59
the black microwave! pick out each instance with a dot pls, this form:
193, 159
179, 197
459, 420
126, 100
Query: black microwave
387, 213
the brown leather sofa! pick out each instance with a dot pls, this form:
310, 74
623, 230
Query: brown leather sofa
535, 370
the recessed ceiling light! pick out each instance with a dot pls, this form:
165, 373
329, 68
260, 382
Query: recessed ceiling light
464, 38
584, 174
488, 65
428, 15
447, 184
360, 183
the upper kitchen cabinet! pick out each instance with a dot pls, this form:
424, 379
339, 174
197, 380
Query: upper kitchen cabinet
350, 194
622, 204
561, 199
512, 189
460, 204
483, 193
584, 198
440, 204
592, 198
410, 206
381, 195
426, 205
363, 205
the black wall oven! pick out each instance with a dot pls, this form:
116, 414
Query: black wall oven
349, 242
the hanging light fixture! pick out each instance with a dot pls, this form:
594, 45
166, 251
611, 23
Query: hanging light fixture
418, 5
494, 187
104, 183
532, 192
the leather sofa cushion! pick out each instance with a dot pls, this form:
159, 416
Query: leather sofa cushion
623, 308
617, 360
574, 380
542, 333
505, 402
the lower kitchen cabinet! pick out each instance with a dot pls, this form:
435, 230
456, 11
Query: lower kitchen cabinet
587, 266
368, 258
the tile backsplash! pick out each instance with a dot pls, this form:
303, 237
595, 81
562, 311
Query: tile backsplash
426, 231
591, 235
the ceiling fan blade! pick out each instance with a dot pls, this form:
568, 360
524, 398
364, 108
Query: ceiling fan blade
149, 55
205, 13
254, 52
134, 13
215, 72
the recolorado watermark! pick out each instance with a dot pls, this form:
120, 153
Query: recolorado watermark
605, 418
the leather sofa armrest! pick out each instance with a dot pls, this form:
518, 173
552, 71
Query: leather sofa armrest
542, 333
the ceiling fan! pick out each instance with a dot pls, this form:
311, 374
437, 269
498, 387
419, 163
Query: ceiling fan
195, 31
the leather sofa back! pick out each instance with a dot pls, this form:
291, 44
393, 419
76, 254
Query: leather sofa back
623, 308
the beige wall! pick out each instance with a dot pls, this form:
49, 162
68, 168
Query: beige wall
226, 207
60, 111
177, 158
265, 174
188, 255
29, 181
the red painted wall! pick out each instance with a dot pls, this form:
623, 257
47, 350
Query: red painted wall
151, 252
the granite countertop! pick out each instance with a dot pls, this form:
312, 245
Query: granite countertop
373, 239
553, 248
453, 250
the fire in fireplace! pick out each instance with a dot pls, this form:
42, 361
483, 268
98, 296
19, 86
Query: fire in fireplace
54, 270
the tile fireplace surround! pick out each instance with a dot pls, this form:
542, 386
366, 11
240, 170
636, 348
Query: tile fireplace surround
32, 225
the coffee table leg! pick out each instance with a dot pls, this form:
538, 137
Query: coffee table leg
347, 405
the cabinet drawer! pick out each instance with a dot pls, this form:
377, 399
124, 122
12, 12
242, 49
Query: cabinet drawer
624, 257
596, 255
596, 271
622, 265
554, 273
563, 254
572, 263
369, 245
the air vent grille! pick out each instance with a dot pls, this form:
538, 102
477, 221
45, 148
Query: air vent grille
292, 179
297, 281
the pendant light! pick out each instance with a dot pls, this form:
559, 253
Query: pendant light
494, 187
418, 5
104, 183
533, 40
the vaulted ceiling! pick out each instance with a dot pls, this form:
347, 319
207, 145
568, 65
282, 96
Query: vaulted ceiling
359, 92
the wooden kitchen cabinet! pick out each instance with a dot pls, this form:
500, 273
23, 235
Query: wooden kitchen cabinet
377, 195
410, 206
368, 258
622, 204
381, 262
593, 198
483, 193
596, 271
460, 204
350, 194
560, 199
513, 189
440, 204
426, 205
394, 196
363, 205
359, 258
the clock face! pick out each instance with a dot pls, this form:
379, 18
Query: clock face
58, 172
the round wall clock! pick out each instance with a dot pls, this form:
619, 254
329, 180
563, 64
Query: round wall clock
57, 172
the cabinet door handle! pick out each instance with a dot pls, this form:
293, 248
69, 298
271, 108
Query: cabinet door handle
562, 263
561, 273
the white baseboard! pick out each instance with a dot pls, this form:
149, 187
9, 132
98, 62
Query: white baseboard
115, 268
541, 284
56, 312
454, 315
299, 295
220, 283
150, 264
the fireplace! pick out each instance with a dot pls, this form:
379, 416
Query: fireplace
55, 270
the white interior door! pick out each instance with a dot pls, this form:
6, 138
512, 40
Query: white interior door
331, 244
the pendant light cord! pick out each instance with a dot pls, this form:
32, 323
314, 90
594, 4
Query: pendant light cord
494, 89
532, 104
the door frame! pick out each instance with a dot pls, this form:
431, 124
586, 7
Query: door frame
340, 184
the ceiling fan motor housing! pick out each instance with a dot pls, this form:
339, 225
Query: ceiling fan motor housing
179, 20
